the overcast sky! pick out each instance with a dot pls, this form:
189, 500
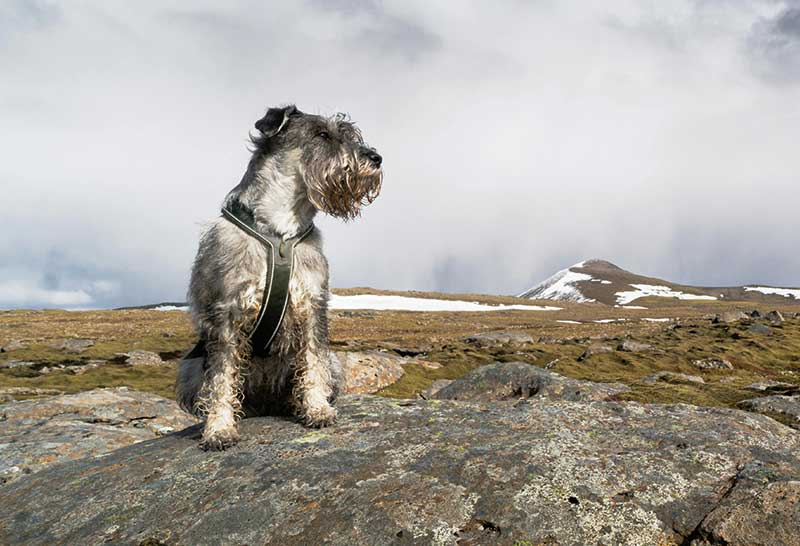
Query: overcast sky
518, 138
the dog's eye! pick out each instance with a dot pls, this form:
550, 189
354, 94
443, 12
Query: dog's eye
325, 135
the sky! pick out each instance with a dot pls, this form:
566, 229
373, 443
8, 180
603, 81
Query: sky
518, 138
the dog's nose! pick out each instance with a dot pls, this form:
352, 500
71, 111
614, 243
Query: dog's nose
374, 157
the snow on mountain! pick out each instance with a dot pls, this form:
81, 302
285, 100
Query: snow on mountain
785, 292
561, 286
644, 290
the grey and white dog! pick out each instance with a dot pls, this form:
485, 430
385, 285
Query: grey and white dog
301, 164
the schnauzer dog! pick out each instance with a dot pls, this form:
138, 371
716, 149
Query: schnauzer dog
301, 164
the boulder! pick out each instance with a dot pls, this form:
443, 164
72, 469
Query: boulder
713, 364
494, 339
13, 345
760, 329
368, 372
673, 377
39, 432
594, 350
72, 345
515, 380
434, 472
11, 364
730, 316
629, 346
139, 357
776, 387
774, 317
785, 408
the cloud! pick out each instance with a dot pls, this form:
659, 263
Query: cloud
517, 138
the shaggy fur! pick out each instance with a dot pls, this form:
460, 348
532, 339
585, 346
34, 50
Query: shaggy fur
301, 163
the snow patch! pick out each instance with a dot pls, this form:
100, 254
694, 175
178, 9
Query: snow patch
644, 290
561, 286
171, 308
609, 320
630, 307
569, 321
768, 290
657, 319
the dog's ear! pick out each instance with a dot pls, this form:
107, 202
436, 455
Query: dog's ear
275, 119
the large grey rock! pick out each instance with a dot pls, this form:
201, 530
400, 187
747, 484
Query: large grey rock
435, 472
629, 346
514, 380
730, 316
140, 357
774, 387
39, 432
786, 407
672, 377
713, 364
370, 371
774, 316
72, 345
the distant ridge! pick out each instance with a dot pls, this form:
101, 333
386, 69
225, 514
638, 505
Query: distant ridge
600, 281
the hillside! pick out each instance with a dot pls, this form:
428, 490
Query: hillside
601, 281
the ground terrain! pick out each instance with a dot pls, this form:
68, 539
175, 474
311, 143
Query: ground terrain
768, 352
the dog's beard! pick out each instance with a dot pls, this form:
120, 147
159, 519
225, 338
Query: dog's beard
342, 191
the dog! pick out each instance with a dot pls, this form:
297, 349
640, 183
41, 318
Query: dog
301, 163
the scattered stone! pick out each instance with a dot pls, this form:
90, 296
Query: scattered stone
139, 357
673, 377
13, 345
629, 346
756, 314
368, 372
514, 380
774, 317
39, 432
72, 345
421, 472
493, 339
759, 329
777, 387
776, 404
91, 365
11, 364
430, 365
434, 388
28, 391
594, 350
729, 316
713, 364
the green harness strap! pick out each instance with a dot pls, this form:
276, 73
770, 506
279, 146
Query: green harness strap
280, 262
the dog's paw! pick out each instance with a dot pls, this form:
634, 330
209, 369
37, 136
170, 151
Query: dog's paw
219, 440
319, 417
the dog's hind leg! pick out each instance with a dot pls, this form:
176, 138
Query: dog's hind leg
189, 382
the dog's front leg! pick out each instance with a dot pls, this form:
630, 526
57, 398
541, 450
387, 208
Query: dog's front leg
220, 395
315, 379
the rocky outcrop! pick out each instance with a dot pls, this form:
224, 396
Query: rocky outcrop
435, 472
72, 345
515, 380
37, 433
368, 372
782, 407
494, 339
139, 357
673, 377
712, 364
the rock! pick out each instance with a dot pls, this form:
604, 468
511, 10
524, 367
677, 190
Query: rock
29, 391
72, 345
629, 346
425, 363
138, 357
756, 314
91, 365
759, 329
594, 350
775, 317
39, 432
434, 472
787, 407
493, 339
713, 364
11, 364
673, 377
13, 345
434, 388
369, 372
777, 387
514, 380
729, 316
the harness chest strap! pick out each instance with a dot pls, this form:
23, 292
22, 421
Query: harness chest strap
276, 286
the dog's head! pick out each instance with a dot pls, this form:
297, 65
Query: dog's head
340, 171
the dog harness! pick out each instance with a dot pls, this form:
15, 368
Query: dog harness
280, 262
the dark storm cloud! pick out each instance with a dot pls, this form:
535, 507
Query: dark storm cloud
517, 138
774, 46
